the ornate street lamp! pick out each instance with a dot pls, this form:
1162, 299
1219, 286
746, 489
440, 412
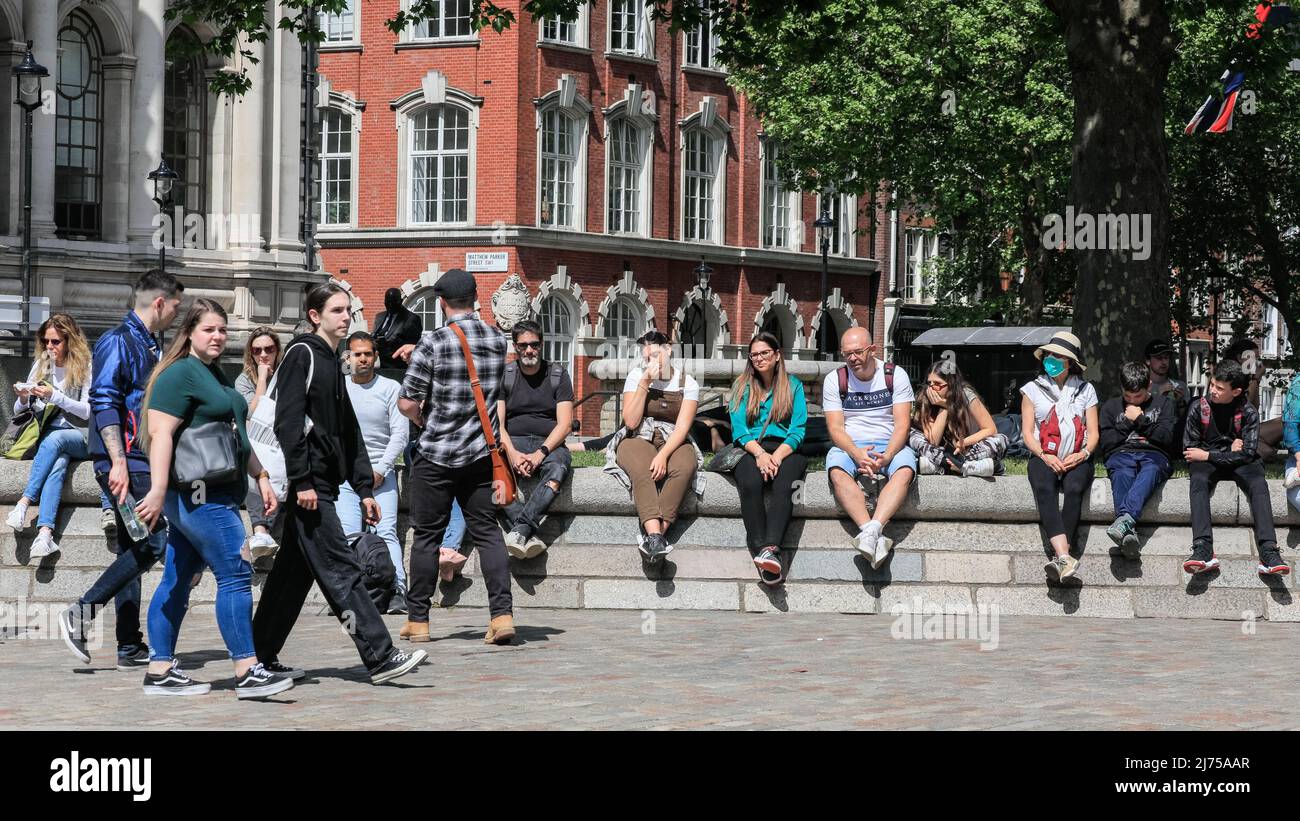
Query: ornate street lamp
824, 224
164, 180
28, 74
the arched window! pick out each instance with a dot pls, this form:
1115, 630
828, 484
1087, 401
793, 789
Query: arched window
626, 165
701, 172
428, 308
439, 165
623, 320
559, 170
336, 167
557, 330
185, 120
78, 161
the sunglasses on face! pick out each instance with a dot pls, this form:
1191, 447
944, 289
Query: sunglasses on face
938, 386
54, 342
536, 346
270, 349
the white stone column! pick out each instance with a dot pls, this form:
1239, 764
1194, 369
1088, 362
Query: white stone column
288, 77
11, 121
41, 24
146, 115
248, 137
118, 72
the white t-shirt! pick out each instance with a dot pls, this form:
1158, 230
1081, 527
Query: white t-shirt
869, 408
1071, 401
690, 389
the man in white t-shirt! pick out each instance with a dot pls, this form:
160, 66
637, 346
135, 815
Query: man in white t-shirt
868, 422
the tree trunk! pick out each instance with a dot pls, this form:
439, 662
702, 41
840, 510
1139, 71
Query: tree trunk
1119, 53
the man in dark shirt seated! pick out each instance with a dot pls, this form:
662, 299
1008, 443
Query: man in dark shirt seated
537, 407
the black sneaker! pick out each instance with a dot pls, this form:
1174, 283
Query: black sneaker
656, 547
1201, 560
260, 682
285, 670
174, 683
769, 559
397, 604
1271, 563
133, 656
398, 664
74, 635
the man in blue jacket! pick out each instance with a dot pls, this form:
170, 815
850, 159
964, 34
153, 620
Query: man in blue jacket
123, 359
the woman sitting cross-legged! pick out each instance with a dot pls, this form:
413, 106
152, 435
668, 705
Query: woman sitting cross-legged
952, 431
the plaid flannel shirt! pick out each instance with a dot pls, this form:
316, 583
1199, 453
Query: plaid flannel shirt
438, 379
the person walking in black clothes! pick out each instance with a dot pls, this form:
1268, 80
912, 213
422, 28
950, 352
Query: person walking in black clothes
395, 327
452, 459
309, 384
1221, 441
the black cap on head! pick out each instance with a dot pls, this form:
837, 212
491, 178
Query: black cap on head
456, 284
1157, 347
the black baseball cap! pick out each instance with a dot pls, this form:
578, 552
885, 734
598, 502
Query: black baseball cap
455, 284
1158, 347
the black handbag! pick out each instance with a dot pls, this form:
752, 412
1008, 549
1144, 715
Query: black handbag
207, 453
729, 455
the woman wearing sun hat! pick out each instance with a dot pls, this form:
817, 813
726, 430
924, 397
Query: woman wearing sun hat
1058, 412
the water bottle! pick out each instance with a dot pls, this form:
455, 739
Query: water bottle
135, 526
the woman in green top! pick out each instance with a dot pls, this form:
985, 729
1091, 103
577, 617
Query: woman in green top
768, 415
189, 389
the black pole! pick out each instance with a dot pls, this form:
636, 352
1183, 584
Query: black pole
822, 350
162, 246
309, 138
25, 326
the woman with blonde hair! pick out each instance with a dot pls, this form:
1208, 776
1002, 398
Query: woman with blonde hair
261, 358
768, 416
58, 389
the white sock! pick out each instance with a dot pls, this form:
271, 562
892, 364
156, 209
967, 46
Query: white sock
872, 527
21, 508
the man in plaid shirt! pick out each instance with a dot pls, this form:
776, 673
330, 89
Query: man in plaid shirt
452, 461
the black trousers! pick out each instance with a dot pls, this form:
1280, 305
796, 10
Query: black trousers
765, 527
313, 547
432, 489
1059, 518
1250, 478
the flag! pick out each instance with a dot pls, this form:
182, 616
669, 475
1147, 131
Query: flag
1215, 114
1269, 16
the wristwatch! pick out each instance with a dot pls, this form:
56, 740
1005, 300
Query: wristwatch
545, 450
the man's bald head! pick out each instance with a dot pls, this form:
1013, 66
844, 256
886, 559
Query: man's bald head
855, 339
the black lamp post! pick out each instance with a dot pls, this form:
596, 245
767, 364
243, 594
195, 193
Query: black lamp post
164, 179
29, 74
824, 224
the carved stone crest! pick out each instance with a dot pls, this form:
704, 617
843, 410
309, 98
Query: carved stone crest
511, 303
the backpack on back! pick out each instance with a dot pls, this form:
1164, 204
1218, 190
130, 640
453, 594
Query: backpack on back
843, 374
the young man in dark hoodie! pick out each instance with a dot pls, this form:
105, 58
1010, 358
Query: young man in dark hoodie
1221, 441
1137, 430
309, 385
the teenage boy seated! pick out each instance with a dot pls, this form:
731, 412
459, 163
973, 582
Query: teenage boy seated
1220, 442
1137, 430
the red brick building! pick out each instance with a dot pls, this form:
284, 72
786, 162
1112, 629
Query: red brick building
600, 161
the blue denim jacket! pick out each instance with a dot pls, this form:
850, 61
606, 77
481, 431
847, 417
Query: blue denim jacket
123, 359
1291, 417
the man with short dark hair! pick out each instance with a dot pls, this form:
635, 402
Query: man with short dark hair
1137, 430
537, 406
452, 459
122, 361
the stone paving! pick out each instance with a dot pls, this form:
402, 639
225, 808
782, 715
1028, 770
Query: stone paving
688, 670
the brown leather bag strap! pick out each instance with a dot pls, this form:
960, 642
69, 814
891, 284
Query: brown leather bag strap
478, 389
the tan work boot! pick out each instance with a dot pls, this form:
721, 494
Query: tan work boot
414, 631
500, 630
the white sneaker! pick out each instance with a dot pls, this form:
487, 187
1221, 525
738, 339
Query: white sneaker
17, 519
107, 521
866, 544
883, 545
43, 545
534, 547
515, 545
926, 467
261, 545
979, 467
1292, 478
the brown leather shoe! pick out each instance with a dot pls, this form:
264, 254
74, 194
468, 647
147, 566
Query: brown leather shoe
500, 630
414, 631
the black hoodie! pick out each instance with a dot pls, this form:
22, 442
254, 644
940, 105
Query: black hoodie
334, 451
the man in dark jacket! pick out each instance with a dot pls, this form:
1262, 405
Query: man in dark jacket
122, 362
395, 326
1137, 430
1221, 441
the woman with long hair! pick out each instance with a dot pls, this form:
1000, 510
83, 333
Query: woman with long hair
187, 390
261, 356
952, 431
768, 416
58, 388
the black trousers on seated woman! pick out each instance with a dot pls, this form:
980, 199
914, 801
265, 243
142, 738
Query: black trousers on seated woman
1057, 517
765, 524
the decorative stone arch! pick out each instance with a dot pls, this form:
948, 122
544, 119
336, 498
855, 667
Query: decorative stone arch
562, 284
356, 308
787, 310
11, 24
413, 287
719, 333
628, 290
114, 30
835, 305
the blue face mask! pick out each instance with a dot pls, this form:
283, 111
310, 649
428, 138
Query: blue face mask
1054, 365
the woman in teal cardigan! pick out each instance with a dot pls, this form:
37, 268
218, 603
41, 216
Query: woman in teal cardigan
768, 416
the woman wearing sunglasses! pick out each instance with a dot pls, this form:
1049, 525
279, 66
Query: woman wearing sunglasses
261, 356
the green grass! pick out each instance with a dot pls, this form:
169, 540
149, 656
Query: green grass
1014, 466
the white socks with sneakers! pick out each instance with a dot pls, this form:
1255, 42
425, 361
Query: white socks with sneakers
872, 528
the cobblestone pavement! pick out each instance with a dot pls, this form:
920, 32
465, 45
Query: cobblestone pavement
683, 670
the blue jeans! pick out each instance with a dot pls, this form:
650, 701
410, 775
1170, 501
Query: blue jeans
209, 534
58, 450
349, 510
526, 517
455, 531
1134, 476
1293, 495
121, 580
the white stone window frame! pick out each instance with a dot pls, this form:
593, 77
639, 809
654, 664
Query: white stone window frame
354, 8
710, 49
793, 202
711, 122
920, 248
408, 34
349, 106
626, 292
433, 91
637, 109
846, 226
566, 100
645, 32
581, 29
